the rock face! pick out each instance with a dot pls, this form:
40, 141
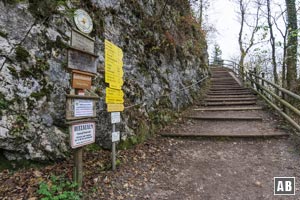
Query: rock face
164, 51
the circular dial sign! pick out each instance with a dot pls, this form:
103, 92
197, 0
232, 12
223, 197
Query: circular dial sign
83, 21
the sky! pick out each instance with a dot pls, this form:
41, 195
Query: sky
222, 15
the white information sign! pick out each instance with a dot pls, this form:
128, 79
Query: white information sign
83, 108
115, 136
82, 134
115, 117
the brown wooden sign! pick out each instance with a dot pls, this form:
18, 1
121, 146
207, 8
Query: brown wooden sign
82, 42
81, 80
81, 60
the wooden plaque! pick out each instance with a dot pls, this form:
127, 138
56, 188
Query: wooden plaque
82, 61
81, 80
82, 42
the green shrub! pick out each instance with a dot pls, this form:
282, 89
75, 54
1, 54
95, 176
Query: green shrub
58, 188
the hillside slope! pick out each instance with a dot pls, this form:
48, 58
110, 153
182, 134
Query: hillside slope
164, 50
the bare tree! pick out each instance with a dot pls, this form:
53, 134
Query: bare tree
283, 34
245, 46
272, 42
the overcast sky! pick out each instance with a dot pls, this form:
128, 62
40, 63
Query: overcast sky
222, 15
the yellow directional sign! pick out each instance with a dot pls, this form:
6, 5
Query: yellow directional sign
114, 76
114, 96
115, 107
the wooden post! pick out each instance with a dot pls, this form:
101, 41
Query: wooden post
256, 79
114, 150
78, 171
251, 79
262, 82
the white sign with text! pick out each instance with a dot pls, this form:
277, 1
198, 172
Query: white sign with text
115, 117
83, 108
115, 136
82, 134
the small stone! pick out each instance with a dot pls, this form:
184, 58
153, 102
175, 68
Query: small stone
257, 183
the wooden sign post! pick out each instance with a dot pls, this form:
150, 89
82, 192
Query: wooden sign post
114, 94
81, 109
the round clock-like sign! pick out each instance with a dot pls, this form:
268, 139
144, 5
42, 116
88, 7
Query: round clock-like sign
83, 21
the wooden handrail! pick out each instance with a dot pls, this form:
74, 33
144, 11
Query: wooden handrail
261, 90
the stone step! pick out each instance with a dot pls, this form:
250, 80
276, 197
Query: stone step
228, 103
225, 118
229, 108
222, 79
225, 84
229, 89
242, 128
230, 93
230, 96
228, 99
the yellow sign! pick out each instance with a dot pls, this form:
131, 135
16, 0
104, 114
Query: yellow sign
114, 96
113, 65
115, 107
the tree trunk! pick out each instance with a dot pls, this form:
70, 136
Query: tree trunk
292, 42
201, 12
272, 42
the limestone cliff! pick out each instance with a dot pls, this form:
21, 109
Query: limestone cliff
164, 50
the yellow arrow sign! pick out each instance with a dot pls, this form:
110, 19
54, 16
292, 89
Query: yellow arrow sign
115, 107
113, 65
114, 96
113, 78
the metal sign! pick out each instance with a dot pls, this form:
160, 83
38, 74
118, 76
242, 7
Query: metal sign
82, 134
114, 96
82, 42
115, 117
80, 107
82, 61
114, 80
83, 108
113, 65
83, 21
81, 80
115, 107
115, 136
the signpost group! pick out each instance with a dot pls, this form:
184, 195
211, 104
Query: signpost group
114, 94
81, 108
81, 105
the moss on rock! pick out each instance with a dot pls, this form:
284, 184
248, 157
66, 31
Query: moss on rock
22, 54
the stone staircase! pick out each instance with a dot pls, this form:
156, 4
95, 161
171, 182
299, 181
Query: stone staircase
228, 109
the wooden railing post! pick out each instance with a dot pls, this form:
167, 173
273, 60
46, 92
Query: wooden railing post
251, 79
262, 82
256, 80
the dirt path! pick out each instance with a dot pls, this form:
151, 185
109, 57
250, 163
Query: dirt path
230, 169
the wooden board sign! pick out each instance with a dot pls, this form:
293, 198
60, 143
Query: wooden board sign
82, 134
82, 42
115, 107
81, 80
82, 61
80, 108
